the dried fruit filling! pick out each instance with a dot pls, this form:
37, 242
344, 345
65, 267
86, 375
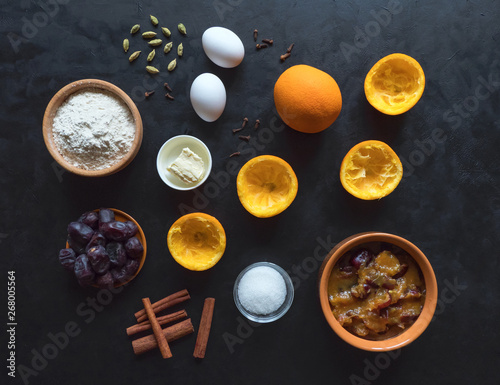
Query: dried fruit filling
376, 296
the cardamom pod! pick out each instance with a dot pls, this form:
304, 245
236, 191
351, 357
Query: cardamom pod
180, 50
171, 66
126, 45
155, 42
168, 47
135, 29
154, 20
182, 29
152, 70
134, 56
151, 55
148, 35
166, 31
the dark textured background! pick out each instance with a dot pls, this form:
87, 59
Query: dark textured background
447, 203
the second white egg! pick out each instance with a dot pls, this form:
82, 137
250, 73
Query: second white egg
208, 97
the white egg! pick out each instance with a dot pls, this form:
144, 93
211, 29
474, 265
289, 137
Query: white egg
208, 97
223, 47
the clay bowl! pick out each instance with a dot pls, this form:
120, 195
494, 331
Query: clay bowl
123, 217
409, 334
93, 85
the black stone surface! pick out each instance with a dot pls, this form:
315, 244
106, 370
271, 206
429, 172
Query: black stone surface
447, 203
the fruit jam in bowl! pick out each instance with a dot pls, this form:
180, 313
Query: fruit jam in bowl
377, 291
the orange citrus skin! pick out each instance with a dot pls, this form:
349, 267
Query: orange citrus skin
196, 241
395, 84
371, 170
307, 99
266, 186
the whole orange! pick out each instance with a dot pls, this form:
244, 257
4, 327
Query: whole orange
307, 99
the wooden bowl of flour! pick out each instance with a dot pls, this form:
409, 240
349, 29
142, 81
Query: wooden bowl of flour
92, 128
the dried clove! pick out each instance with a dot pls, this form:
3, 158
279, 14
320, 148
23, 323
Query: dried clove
289, 50
245, 138
268, 41
237, 153
167, 87
257, 124
259, 46
168, 96
235, 130
245, 121
285, 56
147, 94
255, 33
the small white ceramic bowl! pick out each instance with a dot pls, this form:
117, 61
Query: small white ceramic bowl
169, 152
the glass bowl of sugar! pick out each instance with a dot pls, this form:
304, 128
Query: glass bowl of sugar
263, 292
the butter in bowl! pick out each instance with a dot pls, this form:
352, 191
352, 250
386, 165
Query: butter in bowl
184, 162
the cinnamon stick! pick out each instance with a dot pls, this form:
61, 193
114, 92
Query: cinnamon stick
160, 338
164, 306
166, 319
204, 330
142, 313
172, 333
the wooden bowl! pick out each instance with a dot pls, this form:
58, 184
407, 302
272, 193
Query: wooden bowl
123, 217
409, 334
61, 96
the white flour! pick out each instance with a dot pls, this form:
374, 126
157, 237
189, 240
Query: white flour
93, 129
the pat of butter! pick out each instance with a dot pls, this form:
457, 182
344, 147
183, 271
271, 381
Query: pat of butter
188, 166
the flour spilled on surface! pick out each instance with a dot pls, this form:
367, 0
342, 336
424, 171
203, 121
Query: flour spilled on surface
93, 129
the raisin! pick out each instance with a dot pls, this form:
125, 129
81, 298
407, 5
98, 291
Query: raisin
98, 259
360, 257
67, 258
116, 253
402, 271
105, 281
83, 271
80, 232
134, 248
115, 231
90, 218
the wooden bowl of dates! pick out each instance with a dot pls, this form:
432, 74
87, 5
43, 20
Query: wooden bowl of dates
377, 291
105, 248
94, 85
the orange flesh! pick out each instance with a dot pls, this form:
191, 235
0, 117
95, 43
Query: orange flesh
371, 170
266, 186
197, 241
395, 84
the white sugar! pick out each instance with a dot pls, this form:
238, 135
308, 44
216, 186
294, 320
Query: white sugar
262, 290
